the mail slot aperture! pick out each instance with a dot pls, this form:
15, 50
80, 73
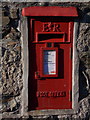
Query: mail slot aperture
50, 37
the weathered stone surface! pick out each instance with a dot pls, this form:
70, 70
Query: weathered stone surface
83, 47
5, 11
14, 35
5, 20
13, 13
47, 0
11, 66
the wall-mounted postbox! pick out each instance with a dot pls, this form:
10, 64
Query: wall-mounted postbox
50, 56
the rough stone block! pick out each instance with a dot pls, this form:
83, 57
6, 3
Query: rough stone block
13, 13
5, 20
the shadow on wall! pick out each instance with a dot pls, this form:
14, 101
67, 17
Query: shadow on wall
83, 47
83, 82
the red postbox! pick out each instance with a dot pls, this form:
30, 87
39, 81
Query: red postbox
50, 56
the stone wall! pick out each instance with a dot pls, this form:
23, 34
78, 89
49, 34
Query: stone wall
11, 72
11, 82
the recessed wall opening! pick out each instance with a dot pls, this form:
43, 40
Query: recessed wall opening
59, 95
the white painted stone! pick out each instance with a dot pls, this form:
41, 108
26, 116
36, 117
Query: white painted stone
75, 71
24, 40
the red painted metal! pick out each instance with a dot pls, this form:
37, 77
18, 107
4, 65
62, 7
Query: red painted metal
49, 91
50, 33
50, 11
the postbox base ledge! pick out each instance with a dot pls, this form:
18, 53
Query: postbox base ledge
48, 112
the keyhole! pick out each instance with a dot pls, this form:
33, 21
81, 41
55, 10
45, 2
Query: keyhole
49, 44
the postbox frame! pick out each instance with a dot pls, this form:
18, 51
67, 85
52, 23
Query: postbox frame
75, 64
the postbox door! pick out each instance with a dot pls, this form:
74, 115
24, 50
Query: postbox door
50, 65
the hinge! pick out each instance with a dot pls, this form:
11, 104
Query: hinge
71, 54
70, 95
37, 76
